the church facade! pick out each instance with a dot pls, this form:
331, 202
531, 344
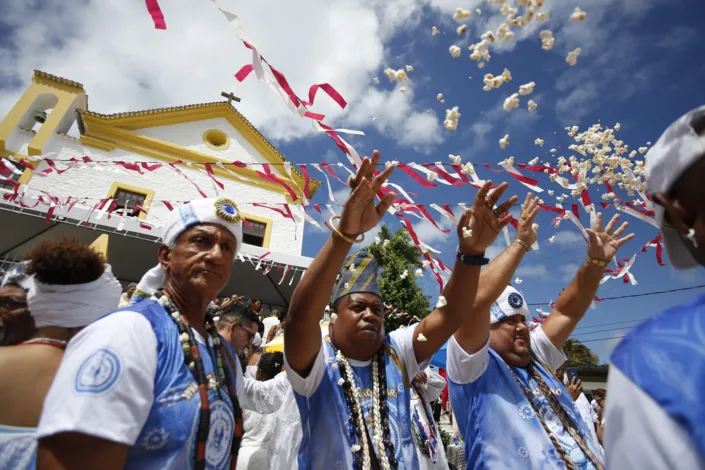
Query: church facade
122, 174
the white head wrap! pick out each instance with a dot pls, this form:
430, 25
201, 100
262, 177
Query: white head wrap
510, 303
72, 305
221, 212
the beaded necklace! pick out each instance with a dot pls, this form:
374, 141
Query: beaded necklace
427, 442
560, 412
381, 435
194, 361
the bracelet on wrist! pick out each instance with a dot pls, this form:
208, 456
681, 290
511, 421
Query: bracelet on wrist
526, 246
341, 235
471, 260
597, 262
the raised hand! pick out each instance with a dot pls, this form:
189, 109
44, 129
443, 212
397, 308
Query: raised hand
527, 230
480, 224
360, 213
575, 388
603, 244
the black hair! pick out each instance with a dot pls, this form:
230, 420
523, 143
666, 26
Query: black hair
270, 364
239, 313
65, 261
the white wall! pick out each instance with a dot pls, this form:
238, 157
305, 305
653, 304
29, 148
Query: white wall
95, 181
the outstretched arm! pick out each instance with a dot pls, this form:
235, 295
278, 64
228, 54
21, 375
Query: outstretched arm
302, 333
575, 300
482, 223
472, 335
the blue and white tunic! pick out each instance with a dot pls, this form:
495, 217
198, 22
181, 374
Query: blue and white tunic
655, 415
324, 414
497, 422
123, 379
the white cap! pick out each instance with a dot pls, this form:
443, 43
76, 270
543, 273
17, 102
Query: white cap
677, 149
509, 303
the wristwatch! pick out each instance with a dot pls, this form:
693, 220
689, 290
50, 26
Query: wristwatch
471, 260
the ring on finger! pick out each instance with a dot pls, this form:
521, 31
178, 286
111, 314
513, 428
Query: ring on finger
497, 213
489, 202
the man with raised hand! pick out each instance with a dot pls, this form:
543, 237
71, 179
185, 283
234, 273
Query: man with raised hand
655, 413
352, 390
512, 411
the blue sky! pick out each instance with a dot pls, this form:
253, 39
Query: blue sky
640, 66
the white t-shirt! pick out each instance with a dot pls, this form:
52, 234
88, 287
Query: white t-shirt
640, 434
118, 413
268, 323
403, 339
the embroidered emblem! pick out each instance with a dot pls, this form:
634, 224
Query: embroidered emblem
523, 452
526, 412
98, 373
188, 217
227, 210
515, 300
155, 439
220, 435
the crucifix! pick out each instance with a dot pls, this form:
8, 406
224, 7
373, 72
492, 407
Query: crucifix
230, 96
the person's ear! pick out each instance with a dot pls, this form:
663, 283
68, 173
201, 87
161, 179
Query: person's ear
163, 254
676, 216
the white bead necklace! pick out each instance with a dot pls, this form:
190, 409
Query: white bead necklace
365, 449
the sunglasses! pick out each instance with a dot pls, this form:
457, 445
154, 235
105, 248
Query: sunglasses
250, 335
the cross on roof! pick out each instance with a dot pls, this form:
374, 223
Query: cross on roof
230, 96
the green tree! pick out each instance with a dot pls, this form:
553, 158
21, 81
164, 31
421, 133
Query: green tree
405, 294
579, 354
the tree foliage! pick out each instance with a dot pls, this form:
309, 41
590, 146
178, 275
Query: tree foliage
405, 294
579, 354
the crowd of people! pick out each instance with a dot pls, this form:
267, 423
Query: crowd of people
167, 375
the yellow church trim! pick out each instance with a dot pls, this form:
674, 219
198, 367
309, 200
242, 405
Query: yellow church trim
198, 112
262, 220
148, 195
169, 152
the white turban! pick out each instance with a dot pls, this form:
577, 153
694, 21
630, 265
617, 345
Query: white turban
72, 305
510, 303
221, 212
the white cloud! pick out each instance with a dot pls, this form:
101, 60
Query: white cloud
536, 271
568, 238
125, 64
568, 271
430, 235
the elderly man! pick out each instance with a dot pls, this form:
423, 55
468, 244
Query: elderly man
511, 410
353, 390
154, 385
654, 413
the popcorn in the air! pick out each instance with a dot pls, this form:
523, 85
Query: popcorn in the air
467, 169
461, 29
442, 302
391, 74
426, 264
421, 338
454, 51
405, 274
539, 141
374, 118
452, 116
409, 68
527, 89
552, 239
534, 161
456, 159
375, 80
346, 285
431, 176
578, 15
401, 76
385, 244
378, 240
439, 97
419, 272
434, 31
478, 11
551, 192
532, 106
467, 232
547, 39
542, 17
512, 102
504, 141
643, 150
572, 58
402, 89
518, 281
461, 14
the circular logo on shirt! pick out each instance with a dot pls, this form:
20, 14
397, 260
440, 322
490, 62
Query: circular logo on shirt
515, 300
99, 372
394, 432
220, 435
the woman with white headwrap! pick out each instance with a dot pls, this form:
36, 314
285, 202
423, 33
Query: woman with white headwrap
69, 286
153, 386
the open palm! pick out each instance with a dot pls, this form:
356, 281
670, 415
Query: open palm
603, 244
482, 220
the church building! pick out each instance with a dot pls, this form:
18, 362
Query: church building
121, 174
